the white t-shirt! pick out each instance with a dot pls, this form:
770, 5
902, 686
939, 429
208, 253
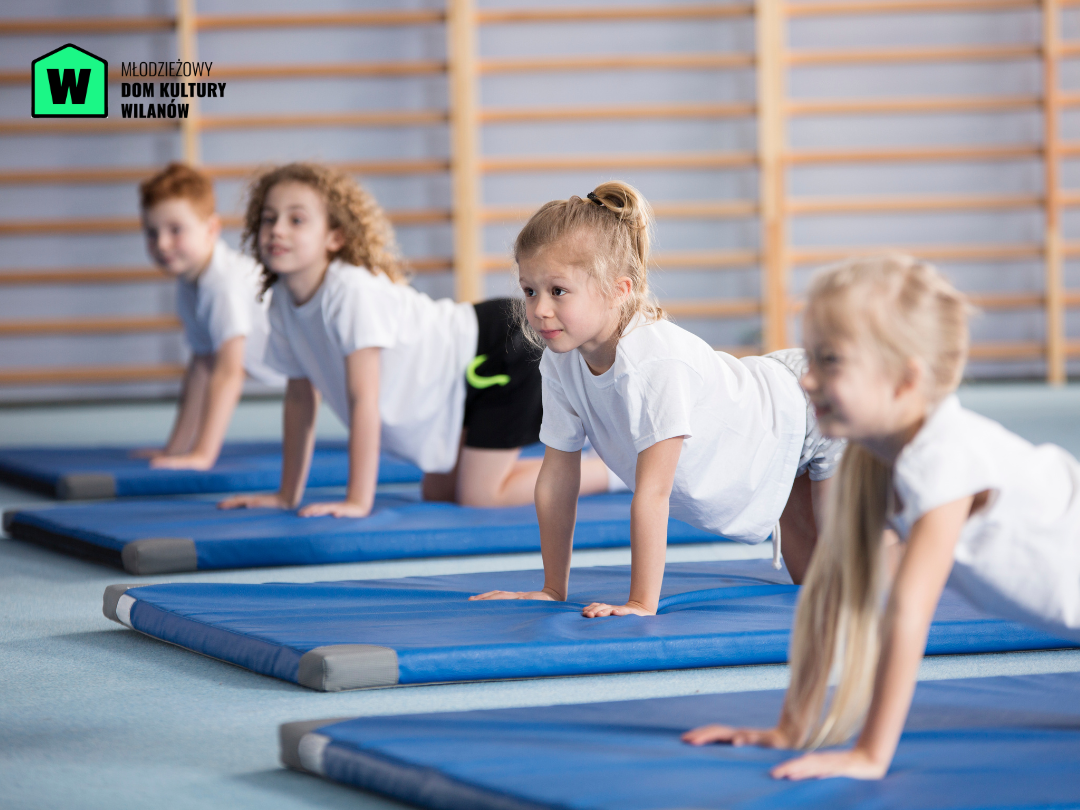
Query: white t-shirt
1019, 556
222, 303
425, 344
744, 423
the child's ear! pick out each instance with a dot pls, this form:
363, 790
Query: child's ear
913, 378
335, 241
213, 226
623, 287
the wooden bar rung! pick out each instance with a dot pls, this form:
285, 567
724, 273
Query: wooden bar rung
341, 19
914, 56
912, 204
71, 375
905, 106
376, 118
699, 11
658, 61
836, 8
88, 275
733, 308
937, 253
85, 25
544, 163
928, 154
89, 326
1007, 350
514, 115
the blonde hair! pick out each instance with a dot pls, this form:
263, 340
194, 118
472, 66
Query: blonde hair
365, 229
902, 309
619, 221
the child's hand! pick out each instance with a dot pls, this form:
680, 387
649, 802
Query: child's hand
185, 461
854, 764
147, 452
544, 595
715, 733
599, 609
338, 509
274, 501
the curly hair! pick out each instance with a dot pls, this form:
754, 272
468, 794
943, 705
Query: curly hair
367, 234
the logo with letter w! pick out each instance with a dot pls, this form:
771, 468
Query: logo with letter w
69, 83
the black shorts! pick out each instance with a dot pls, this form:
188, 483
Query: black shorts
503, 400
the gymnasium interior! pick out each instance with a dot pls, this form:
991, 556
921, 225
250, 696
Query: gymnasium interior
772, 138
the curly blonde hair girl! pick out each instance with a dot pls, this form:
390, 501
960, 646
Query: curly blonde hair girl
368, 238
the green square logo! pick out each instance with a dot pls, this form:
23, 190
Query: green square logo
69, 83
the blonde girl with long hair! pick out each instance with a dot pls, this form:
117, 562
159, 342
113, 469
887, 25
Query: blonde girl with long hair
451, 387
888, 339
727, 445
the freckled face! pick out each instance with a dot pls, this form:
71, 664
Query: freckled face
179, 240
562, 302
853, 394
295, 234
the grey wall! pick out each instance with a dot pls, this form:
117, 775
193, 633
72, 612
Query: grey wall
600, 87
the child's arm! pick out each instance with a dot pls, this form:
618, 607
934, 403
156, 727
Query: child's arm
226, 383
648, 530
365, 425
556, 509
916, 591
301, 409
189, 412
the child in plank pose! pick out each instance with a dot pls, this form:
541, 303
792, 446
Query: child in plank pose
451, 387
888, 339
726, 445
217, 292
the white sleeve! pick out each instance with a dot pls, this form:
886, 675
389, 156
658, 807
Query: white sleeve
366, 315
660, 397
561, 427
229, 312
279, 354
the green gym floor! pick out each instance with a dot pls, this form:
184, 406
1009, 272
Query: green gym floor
93, 715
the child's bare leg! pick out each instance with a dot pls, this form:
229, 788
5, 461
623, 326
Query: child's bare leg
798, 529
502, 478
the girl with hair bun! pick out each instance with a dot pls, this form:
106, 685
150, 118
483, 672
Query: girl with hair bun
727, 445
888, 339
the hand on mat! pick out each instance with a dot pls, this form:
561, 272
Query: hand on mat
337, 509
274, 501
147, 452
854, 764
544, 595
184, 461
716, 733
598, 609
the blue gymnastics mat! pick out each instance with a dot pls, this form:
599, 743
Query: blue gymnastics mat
107, 472
347, 635
977, 743
168, 536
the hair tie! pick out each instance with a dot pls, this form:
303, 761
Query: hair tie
592, 196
